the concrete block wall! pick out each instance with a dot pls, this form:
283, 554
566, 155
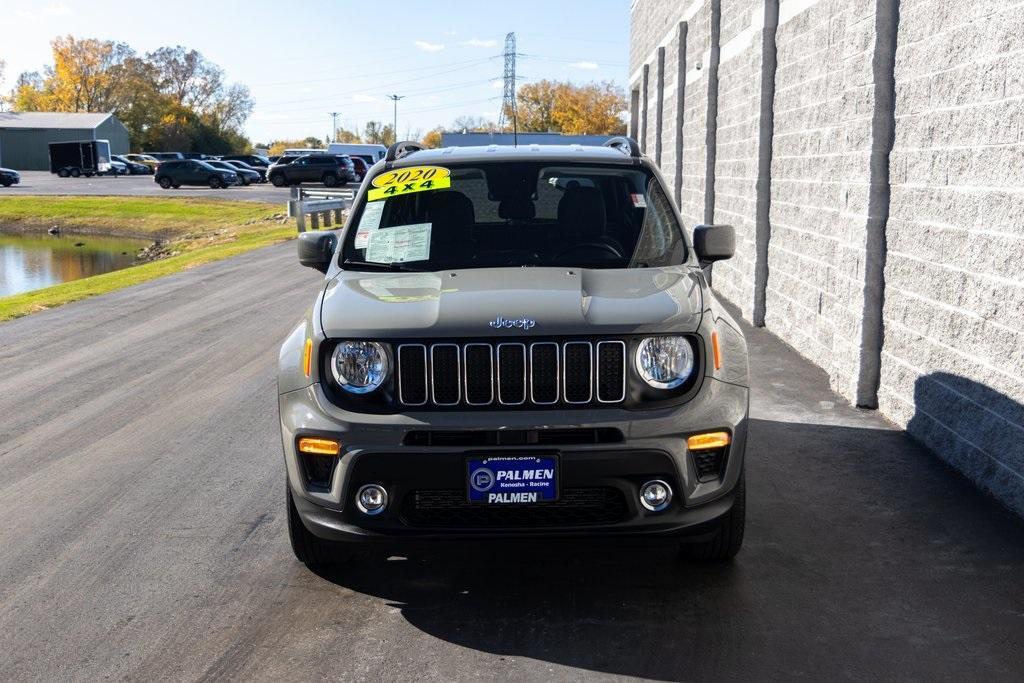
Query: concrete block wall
737, 144
820, 161
870, 154
953, 360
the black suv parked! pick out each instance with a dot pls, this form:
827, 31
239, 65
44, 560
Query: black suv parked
192, 172
312, 168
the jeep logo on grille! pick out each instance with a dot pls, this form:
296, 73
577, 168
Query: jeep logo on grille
521, 323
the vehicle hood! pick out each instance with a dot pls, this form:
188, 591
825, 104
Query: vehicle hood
464, 303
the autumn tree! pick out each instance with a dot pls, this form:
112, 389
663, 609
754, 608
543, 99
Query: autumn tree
473, 124
172, 98
347, 136
432, 139
559, 107
377, 133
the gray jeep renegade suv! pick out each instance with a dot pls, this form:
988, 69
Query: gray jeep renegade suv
514, 342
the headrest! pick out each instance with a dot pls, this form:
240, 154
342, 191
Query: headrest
451, 214
517, 209
581, 211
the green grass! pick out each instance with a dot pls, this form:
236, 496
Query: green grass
199, 231
140, 216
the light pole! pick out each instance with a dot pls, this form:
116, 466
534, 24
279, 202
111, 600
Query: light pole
394, 125
334, 123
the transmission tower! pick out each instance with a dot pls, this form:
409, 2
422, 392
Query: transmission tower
508, 100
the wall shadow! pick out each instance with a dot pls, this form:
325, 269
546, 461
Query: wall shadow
977, 430
865, 556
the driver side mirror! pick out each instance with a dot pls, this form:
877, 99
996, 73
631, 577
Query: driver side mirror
316, 249
714, 243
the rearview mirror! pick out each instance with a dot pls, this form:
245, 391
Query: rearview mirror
714, 242
316, 249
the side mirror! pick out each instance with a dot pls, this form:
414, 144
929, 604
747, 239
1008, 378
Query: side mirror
714, 242
316, 249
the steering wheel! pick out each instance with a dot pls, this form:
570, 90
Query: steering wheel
600, 246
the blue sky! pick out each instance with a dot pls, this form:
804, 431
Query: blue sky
304, 59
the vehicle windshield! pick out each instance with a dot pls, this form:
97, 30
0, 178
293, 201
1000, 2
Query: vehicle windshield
495, 214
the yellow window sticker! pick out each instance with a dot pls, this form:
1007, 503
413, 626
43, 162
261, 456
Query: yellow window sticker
407, 180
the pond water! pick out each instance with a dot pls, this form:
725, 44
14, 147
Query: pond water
35, 260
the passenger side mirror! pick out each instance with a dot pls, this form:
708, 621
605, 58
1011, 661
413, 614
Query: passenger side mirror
714, 243
316, 249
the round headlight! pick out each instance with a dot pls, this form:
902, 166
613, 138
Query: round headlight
664, 362
359, 366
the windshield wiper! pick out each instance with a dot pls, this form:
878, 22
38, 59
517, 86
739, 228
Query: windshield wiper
349, 264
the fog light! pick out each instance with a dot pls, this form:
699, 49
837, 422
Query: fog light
371, 499
655, 495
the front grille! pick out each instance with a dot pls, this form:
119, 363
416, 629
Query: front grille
449, 509
512, 373
513, 437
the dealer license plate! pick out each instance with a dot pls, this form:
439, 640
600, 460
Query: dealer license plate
512, 479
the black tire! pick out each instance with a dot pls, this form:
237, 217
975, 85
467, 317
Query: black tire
75, 173
63, 173
165, 183
278, 180
329, 180
6, 183
728, 537
215, 183
245, 181
309, 549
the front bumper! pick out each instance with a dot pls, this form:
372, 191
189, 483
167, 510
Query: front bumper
10, 179
420, 480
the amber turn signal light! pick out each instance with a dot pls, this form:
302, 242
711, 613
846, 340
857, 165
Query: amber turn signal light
715, 352
708, 441
307, 357
319, 446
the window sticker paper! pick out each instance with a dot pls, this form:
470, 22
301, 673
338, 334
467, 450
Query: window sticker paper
399, 244
368, 222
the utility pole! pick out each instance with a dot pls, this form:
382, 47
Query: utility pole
394, 125
334, 122
508, 100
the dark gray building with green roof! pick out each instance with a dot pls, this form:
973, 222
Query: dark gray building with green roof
25, 136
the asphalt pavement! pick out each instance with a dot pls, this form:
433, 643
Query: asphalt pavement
144, 534
46, 183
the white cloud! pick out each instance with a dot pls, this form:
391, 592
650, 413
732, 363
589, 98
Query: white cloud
261, 116
589, 66
428, 47
363, 97
479, 42
55, 9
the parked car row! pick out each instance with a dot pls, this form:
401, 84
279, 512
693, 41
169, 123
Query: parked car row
174, 169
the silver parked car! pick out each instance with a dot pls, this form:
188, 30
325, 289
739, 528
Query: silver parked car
514, 342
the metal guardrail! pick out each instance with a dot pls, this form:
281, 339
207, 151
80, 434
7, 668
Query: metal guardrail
319, 205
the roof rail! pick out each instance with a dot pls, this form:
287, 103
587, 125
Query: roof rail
402, 149
625, 145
